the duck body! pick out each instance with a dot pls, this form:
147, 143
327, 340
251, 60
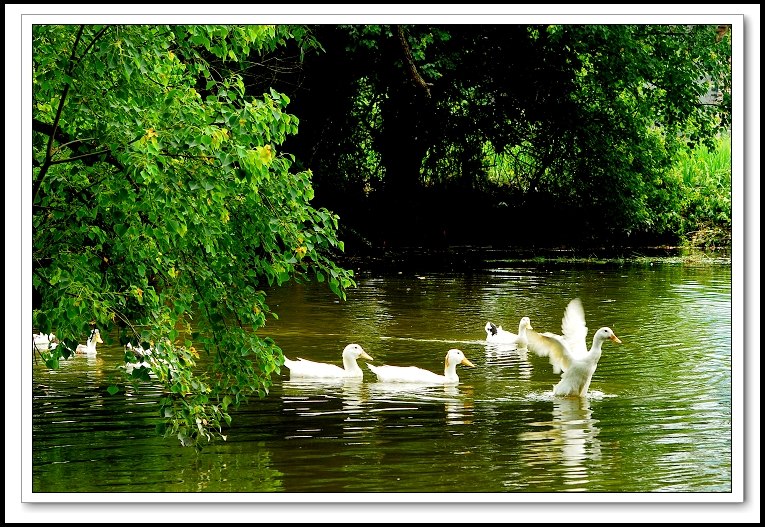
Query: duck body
320, 370
568, 353
413, 374
496, 335
89, 349
145, 360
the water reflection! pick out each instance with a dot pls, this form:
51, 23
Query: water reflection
459, 406
499, 430
457, 399
304, 390
569, 442
509, 355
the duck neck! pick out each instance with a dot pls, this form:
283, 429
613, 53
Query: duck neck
350, 365
450, 371
595, 351
91, 345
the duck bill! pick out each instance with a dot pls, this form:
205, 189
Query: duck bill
467, 363
615, 339
365, 356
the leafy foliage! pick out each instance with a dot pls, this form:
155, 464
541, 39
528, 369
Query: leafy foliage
578, 124
161, 194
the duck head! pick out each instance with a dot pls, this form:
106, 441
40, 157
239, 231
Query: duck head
95, 336
354, 351
490, 328
606, 333
454, 357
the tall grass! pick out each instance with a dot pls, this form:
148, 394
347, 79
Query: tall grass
706, 208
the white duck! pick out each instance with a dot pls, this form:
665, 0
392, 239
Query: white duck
44, 342
569, 354
142, 354
496, 335
306, 368
89, 349
414, 374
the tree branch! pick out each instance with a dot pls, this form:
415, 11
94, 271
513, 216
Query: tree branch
63, 137
57, 119
410, 62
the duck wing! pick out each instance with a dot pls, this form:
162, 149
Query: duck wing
552, 346
574, 328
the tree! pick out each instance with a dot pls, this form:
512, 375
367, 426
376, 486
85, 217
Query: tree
581, 123
162, 206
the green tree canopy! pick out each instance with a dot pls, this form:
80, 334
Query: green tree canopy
572, 126
163, 205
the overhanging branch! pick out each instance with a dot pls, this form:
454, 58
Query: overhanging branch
410, 62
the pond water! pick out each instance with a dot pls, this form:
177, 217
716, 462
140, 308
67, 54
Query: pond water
658, 418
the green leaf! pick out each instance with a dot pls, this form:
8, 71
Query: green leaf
112, 390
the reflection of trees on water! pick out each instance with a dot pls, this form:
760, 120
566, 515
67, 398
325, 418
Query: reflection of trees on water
248, 468
569, 442
83, 378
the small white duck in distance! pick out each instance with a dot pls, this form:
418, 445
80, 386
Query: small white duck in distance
44, 342
143, 357
89, 349
568, 353
306, 368
496, 335
414, 374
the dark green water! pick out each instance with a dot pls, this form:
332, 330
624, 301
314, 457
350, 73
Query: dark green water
658, 419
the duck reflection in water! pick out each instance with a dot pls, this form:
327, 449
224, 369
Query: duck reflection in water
459, 406
570, 441
307, 392
457, 399
509, 355
325, 407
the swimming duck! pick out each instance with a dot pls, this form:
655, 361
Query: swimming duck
139, 351
568, 353
89, 349
145, 360
496, 335
419, 375
307, 368
44, 342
